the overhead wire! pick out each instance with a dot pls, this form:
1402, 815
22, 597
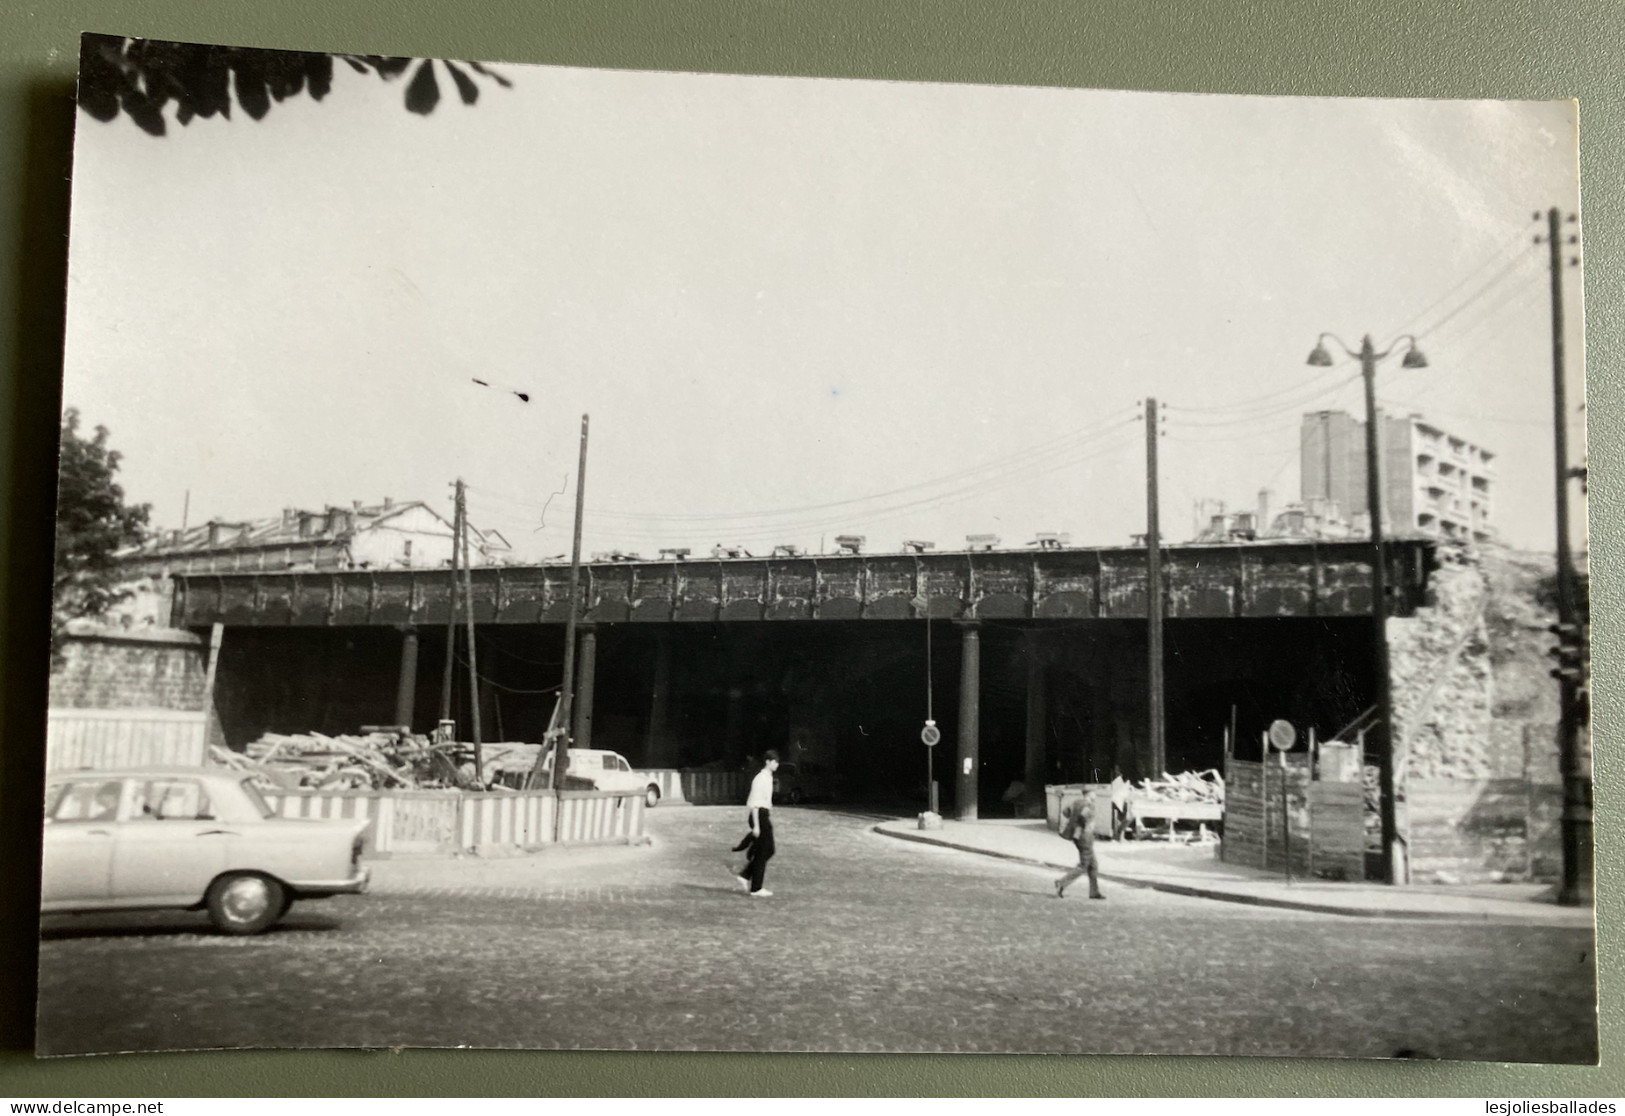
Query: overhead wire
1510, 266
1518, 239
1296, 404
1054, 446
1002, 479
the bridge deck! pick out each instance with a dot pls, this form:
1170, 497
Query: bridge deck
1252, 580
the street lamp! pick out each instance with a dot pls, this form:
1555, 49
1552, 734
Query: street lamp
1368, 357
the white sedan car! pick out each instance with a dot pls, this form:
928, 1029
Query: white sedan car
188, 838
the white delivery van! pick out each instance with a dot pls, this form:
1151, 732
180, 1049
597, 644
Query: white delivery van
607, 771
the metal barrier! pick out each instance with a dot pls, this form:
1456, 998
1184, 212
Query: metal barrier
99, 739
457, 821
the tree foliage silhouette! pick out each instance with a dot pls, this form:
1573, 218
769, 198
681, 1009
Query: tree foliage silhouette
92, 524
140, 77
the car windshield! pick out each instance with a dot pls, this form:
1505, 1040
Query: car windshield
258, 799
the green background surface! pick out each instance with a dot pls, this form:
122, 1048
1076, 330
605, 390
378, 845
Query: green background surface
1396, 48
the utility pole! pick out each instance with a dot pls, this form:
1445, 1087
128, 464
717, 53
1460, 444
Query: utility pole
566, 692
1153, 593
1576, 823
473, 662
1379, 618
451, 605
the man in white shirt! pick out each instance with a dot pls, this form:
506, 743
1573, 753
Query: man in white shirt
759, 807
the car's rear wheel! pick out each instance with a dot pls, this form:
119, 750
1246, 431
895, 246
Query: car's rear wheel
795, 796
651, 797
245, 903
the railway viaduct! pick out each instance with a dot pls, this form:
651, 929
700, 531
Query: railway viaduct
1034, 662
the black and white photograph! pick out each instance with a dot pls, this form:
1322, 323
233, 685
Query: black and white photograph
555, 558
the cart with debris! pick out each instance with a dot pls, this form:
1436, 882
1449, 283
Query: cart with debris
1169, 808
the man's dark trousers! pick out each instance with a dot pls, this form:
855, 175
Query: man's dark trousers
761, 850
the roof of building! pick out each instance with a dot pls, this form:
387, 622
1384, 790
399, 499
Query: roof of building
329, 526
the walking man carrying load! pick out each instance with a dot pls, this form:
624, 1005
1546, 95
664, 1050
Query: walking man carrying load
759, 809
1078, 826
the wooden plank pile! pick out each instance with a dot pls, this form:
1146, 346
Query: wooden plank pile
373, 761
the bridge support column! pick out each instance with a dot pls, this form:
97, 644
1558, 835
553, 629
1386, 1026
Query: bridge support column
1037, 718
586, 668
406, 688
657, 749
733, 731
970, 712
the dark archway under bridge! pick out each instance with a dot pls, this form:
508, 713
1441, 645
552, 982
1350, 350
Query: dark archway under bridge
711, 662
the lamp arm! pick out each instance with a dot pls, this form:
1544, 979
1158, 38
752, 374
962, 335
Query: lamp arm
1346, 350
1408, 338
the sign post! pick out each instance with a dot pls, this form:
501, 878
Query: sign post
929, 736
1283, 736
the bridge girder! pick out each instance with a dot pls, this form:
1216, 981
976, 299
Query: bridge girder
1257, 580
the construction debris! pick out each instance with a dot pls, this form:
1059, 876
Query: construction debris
375, 761
1187, 786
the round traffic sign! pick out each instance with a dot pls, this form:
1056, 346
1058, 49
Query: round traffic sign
930, 734
1283, 735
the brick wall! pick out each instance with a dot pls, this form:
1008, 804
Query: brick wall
146, 668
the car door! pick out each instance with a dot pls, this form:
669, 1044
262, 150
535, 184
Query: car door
171, 845
81, 818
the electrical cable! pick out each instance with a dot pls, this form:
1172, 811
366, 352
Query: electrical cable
1518, 239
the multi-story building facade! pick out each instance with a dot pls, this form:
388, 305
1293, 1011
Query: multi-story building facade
1435, 483
390, 535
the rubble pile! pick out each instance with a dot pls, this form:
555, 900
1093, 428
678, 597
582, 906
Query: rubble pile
376, 761
1470, 669
1187, 786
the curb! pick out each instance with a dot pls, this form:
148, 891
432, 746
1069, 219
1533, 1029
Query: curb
1209, 893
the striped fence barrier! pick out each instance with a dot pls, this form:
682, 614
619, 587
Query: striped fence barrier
456, 821
99, 739
670, 782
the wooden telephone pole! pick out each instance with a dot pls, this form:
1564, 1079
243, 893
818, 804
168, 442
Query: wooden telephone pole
1573, 717
451, 606
468, 612
567, 689
1158, 755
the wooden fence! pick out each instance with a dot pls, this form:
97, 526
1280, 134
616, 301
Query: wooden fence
1326, 820
107, 738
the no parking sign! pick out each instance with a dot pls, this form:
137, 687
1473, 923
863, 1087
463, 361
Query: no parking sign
930, 734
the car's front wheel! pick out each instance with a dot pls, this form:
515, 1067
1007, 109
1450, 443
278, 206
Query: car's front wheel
651, 796
245, 903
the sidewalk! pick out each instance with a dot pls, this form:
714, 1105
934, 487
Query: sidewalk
1196, 870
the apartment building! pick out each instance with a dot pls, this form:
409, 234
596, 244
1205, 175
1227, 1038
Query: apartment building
1435, 483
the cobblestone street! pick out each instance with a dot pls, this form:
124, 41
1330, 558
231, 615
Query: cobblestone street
869, 944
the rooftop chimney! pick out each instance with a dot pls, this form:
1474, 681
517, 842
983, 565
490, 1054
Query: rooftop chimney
1263, 509
850, 544
981, 542
918, 546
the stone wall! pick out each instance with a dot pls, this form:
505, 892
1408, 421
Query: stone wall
138, 668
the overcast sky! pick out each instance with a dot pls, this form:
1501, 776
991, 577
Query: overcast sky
801, 307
